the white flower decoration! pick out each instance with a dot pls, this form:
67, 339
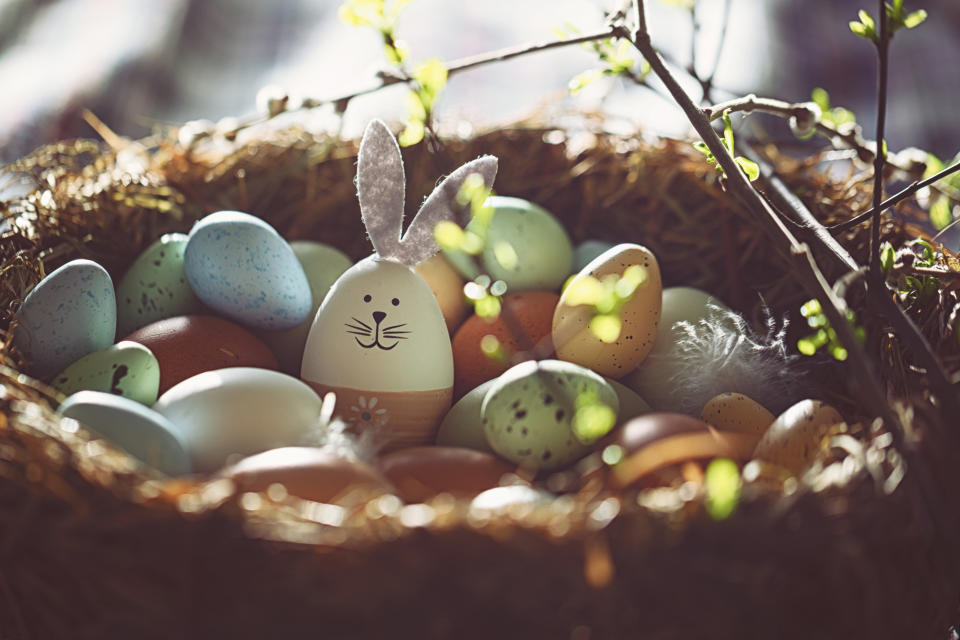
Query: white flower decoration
366, 414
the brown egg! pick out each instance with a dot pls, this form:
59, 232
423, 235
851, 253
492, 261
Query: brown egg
655, 441
522, 331
188, 345
421, 473
737, 412
447, 287
793, 440
308, 473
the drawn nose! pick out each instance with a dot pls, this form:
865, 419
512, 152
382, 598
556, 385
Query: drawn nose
378, 316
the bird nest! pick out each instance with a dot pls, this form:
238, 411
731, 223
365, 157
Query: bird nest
92, 544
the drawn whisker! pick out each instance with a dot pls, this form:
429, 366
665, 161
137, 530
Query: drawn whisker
394, 326
395, 331
393, 337
360, 322
367, 329
359, 333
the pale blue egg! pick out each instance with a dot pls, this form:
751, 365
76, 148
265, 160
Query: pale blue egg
70, 313
139, 430
242, 268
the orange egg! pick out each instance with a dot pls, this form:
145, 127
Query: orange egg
421, 473
447, 287
521, 332
188, 345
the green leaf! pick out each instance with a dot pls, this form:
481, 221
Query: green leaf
806, 346
727, 132
749, 167
821, 98
934, 166
915, 19
867, 20
940, 213
432, 78
412, 134
859, 30
581, 80
722, 484
887, 256
811, 307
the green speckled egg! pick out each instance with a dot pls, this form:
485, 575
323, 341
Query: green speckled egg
156, 287
546, 414
323, 264
631, 404
126, 369
463, 425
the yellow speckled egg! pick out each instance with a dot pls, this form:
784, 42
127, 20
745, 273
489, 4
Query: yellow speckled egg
737, 412
793, 440
576, 341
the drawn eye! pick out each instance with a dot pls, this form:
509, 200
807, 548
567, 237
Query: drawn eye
395, 301
367, 298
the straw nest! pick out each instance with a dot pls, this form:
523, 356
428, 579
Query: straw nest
93, 545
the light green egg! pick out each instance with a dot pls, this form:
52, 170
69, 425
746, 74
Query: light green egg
524, 245
463, 425
155, 286
126, 369
546, 414
586, 251
631, 404
323, 264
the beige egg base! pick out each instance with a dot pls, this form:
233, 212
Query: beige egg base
393, 419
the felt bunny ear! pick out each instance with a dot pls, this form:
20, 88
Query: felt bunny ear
380, 188
418, 244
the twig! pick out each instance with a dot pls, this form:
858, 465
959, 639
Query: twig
707, 83
883, 48
808, 272
896, 198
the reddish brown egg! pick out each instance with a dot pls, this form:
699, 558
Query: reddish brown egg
188, 345
421, 473
521, 332
308, 473
654, 442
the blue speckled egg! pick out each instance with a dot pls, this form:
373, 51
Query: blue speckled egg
242, 268
141, 431
70, 313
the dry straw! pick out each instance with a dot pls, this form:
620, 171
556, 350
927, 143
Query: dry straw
92, 545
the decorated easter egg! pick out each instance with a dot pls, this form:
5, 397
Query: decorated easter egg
155, 286
125, 369
70, 313
238, 265
379, 341
188, 345
653, 380
546, 414
237, 412
655, 441
795, 437
576, 334
142, 432
322, 264
587, 251
737, 412
483, 348
463, 425
447, 287
421, 473
523, 245
631, 404
309, 473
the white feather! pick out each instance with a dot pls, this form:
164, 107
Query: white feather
721, 353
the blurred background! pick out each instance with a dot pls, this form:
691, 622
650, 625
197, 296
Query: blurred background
138, 64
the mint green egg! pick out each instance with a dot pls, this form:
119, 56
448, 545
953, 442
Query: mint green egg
547, 414
322, 264
524, 245
155, 286
126, 369
463, 424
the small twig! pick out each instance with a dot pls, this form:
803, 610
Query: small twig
896, 198
883, 47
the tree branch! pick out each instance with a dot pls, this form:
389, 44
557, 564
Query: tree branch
883, 47
896, 198
807, 270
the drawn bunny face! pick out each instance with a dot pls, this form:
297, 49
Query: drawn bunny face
379, 327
